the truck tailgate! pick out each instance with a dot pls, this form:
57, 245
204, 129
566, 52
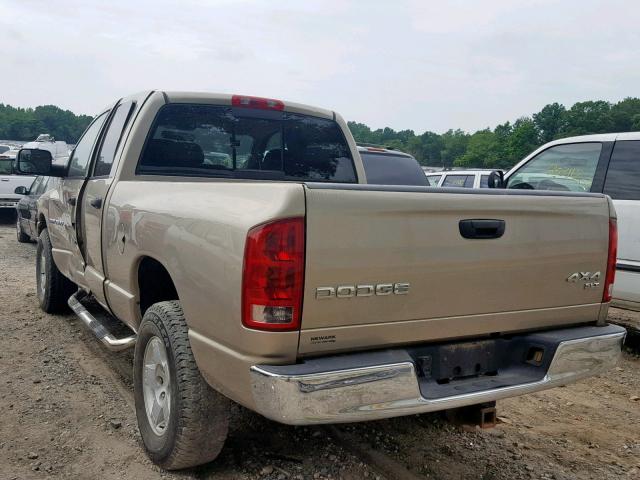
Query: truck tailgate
359, 237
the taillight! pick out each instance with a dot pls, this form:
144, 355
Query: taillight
611, 261
273, 275
256, 102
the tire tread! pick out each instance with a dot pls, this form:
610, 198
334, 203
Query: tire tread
60, 288
203, 413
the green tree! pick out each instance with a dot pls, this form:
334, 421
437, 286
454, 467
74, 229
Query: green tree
550, 121
482, 150
426, 148
26, 123
454, 144
624, 114
588, 117
524, 138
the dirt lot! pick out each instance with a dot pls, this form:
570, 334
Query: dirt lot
67, 413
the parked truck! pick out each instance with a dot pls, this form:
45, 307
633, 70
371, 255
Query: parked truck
238, 240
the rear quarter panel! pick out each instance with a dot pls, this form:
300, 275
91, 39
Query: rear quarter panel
197, 230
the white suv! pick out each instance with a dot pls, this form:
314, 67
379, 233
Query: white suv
460, 178
606, 163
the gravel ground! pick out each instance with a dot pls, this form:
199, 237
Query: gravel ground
68, 413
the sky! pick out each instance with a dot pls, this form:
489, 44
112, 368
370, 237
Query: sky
406, 64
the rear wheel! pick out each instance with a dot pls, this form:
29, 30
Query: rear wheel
183, 421
53, 288
22, 237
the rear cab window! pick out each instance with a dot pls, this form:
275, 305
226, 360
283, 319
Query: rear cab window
571, 167
236, 142
392, 169
464, 181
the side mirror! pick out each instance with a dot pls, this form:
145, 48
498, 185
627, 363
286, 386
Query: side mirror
21, 190
496, 179
32, 161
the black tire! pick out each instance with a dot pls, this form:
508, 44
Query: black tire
198, 419
53, 288
22, 237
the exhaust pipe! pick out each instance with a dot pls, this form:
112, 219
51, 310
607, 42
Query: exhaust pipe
98, 329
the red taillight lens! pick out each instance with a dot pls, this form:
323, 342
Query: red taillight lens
273, 275
256, 102
611, 261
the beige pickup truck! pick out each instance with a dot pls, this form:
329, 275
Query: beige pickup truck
238, 241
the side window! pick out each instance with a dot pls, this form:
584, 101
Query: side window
484, 181
79, 162
465, 181
624, 170
563, 167
111, 141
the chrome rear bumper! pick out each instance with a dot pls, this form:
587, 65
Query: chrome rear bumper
336, 395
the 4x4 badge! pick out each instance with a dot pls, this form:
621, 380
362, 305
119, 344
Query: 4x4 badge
590, 279
583, 277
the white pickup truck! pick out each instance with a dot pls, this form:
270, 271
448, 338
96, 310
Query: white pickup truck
239, 241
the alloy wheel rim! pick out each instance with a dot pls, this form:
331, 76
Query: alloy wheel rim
156, 385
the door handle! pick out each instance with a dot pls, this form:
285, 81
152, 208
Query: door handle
481, 228
71, 201
96, 203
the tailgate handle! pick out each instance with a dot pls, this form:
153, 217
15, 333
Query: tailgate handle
481, 228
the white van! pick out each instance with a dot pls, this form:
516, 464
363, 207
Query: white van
605, 163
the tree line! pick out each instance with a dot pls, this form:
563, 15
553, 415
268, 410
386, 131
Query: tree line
501, 147
507, 143
25, 124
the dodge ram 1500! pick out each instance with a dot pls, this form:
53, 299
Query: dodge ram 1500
238, 240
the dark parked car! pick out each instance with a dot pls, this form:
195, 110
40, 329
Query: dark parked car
384, 166
27, 207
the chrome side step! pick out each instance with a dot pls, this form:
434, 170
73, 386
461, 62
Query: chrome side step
99, 330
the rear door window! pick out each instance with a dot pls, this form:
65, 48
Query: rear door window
464, 181
236, 142
484, 181
563, 168
390, 169
623, 176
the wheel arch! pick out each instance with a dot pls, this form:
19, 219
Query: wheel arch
154, 283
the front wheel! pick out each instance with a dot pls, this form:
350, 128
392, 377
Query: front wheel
53, 288
182, 420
